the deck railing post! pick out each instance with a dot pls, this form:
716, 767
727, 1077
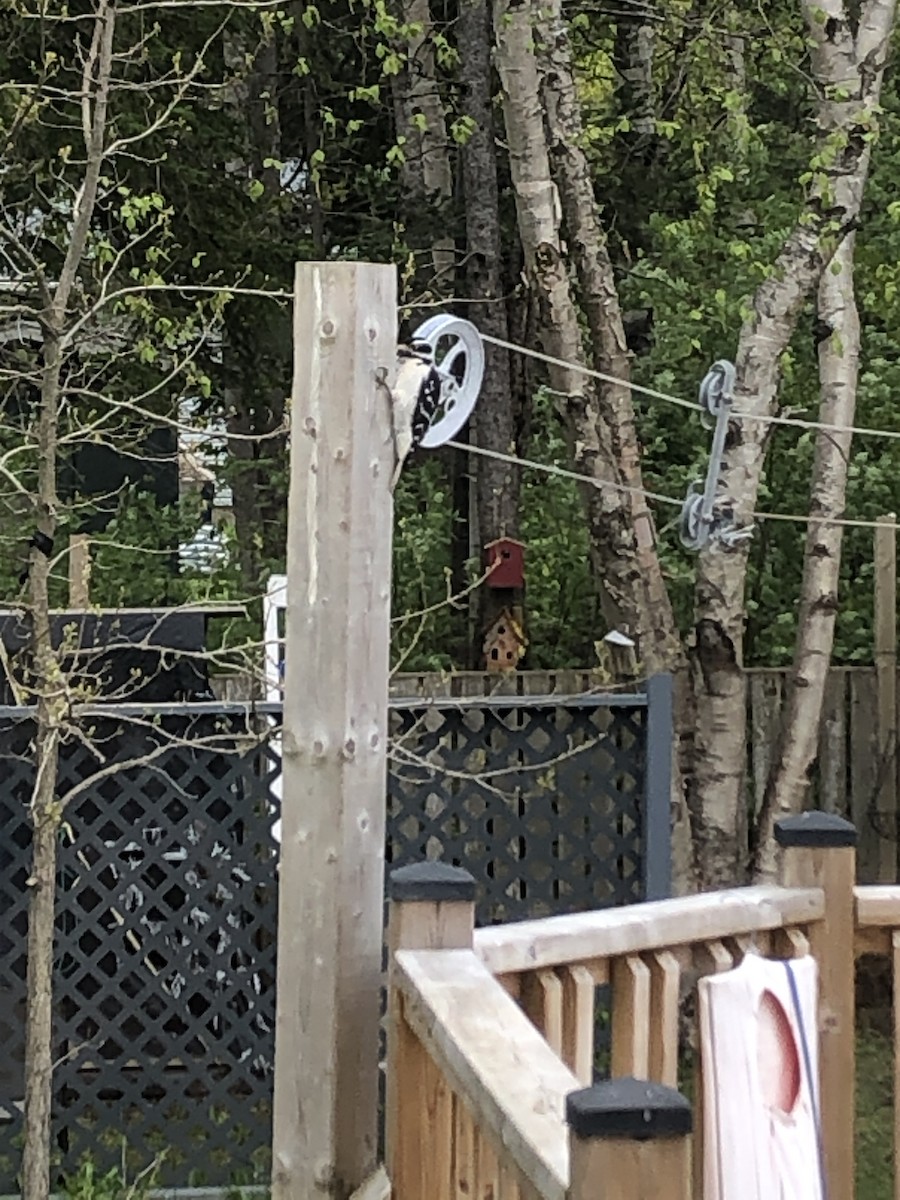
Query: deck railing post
432, 907
819, 850
629, 1140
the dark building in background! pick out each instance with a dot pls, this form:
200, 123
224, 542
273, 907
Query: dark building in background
99, 475
125, 656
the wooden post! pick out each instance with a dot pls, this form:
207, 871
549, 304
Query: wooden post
631, 1139
820, 851
432, 908
895, 964
886, 676
79, 571
340, 516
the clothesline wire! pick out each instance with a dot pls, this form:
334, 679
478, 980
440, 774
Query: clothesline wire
679, 401
564, 473
658, 497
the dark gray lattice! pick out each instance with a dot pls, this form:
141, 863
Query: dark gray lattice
165, 962
167, 900
543, 804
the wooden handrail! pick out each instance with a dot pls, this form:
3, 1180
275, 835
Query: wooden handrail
491, 1030
878, 906
552, 941
491, 1054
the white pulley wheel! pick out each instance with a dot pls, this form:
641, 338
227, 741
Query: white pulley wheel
457, 351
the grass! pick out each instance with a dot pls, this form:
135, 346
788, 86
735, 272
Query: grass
874, 1115
874, 1131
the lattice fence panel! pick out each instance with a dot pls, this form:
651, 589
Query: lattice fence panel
165, 962
167, 903
543, 804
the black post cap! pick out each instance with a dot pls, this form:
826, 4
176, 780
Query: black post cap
817, 830
434, 882
628, 1108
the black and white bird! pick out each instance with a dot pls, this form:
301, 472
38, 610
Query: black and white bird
415, 400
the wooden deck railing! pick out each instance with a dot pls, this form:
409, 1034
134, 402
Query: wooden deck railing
491, 1045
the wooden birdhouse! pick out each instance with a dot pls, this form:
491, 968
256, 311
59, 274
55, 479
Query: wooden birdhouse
504, 643
505, 558
616, 656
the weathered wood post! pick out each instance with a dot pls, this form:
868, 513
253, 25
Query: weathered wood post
820, 851
629, 1140
886, 679
340, 516
79, 571
432, 908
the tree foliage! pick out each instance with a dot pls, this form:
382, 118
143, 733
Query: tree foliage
697, 122
165, 164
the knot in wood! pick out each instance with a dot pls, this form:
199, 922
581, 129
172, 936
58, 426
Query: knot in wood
714, 645
546, 256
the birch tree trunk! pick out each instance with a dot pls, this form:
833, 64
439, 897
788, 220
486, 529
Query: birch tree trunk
841, 64
600, 423
638, 587
422, 124
838, 350
626, 554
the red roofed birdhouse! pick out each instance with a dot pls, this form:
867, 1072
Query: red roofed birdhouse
505, 559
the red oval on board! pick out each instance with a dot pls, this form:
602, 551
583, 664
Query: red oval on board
777, 1057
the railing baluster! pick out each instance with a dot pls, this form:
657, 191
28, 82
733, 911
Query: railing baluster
599, 969
511, 984
665, 980
488, 1171
630, 1018
509, 1183
436, 1162
541, 1000
712, 958
742, 945
790, 943
551, 986
464, 1164
579, 993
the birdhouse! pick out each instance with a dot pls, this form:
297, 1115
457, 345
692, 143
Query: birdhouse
504, 643
505, 558
616, 655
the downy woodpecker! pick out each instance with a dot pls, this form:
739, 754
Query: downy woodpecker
415, 400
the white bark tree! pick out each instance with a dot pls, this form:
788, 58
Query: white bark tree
554, 198
421, 122
847, 70
859, 57
559, 228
